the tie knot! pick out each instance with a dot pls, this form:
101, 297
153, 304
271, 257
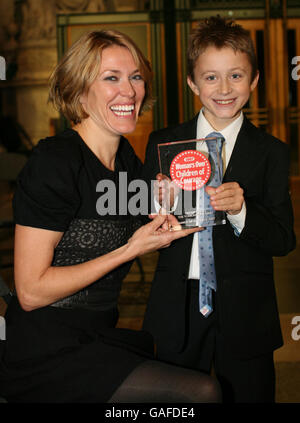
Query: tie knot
215, 146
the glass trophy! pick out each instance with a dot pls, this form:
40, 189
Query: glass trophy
190, 166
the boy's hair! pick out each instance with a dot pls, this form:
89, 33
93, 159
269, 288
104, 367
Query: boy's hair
219, 33
80, 66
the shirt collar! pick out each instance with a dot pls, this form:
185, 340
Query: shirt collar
230, 133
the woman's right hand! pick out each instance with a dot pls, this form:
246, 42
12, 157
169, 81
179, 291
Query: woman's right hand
155, 235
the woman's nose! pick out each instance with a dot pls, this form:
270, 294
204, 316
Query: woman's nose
127, 89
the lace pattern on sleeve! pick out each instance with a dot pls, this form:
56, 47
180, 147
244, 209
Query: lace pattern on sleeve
85, 240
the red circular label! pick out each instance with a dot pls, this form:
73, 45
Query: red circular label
190, 170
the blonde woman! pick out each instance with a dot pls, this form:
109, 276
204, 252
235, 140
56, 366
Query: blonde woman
62, 344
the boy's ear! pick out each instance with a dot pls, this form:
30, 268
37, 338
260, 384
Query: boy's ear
192, 86
254, 82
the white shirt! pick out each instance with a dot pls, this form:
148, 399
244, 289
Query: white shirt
230, 134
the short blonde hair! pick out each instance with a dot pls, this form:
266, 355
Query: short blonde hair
79, 68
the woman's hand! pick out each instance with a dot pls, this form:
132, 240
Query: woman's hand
157, 234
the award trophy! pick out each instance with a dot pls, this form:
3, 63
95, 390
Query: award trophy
190, 166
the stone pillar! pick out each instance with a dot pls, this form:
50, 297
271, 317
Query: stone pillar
29, 47
37, 56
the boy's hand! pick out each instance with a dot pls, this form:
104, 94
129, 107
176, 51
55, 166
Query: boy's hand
227, 197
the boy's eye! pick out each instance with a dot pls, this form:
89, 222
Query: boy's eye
236, 76
211, 77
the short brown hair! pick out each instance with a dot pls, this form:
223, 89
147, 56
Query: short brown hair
219, 33
79, 68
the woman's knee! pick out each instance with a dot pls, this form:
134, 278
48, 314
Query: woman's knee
210, 390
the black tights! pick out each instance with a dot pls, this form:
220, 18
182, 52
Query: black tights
154, 381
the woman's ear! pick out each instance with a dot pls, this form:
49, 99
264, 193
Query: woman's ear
82, 98
192, 86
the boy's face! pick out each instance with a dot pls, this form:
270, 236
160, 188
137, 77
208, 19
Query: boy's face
222, 80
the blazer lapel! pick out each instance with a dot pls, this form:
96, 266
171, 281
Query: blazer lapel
247, 151
185, 131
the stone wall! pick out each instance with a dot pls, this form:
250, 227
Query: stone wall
28, 44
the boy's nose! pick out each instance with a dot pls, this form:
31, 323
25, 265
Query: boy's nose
224, 87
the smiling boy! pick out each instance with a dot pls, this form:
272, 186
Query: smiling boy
242, 330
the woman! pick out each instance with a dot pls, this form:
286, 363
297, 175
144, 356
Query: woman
62, 344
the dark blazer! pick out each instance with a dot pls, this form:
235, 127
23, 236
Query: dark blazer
246, 307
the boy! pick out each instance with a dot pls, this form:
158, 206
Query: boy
242, 329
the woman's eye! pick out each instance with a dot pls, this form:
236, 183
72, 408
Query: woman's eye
110, 78
137, 77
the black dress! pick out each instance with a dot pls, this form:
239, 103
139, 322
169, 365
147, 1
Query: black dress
70, 351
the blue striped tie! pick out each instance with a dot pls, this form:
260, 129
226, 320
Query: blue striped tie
206, 253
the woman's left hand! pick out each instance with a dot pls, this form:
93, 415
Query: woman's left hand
157, 234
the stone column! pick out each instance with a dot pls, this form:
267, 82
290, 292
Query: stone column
37, 56
30, 49
30, 46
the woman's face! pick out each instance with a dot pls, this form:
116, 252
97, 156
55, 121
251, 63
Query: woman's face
114, 99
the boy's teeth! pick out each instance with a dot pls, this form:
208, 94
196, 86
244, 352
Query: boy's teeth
224, 101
